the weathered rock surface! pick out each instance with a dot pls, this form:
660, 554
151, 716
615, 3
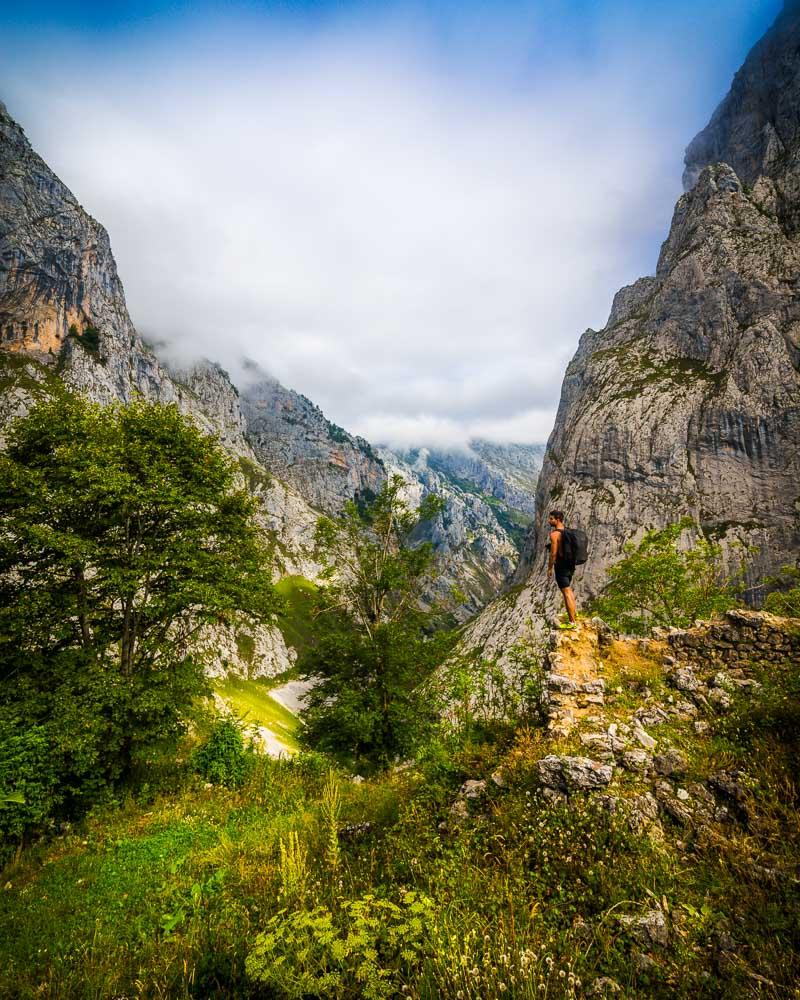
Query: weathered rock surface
293, 438
505, 472
688, 402
569, 774
473, 550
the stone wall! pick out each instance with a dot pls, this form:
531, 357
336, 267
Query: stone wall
738, 638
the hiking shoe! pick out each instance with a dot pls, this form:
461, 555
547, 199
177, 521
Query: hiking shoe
568, 626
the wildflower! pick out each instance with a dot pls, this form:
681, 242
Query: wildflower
561, 973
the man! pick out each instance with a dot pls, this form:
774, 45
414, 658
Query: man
559, 563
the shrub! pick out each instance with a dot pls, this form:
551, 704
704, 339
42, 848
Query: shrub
659, 584
367, 949
28, 781
785, 599
224, 759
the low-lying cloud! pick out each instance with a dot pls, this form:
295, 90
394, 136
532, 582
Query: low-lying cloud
412, 237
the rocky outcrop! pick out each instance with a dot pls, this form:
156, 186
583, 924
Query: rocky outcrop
756, 128
474, 552
687, 403
506, 473
62, 305
56, 268
292, 438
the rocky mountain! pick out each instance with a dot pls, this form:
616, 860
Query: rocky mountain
478, 535
293, 438
507, 473
64, 320
474, 553
476, 538
687, 403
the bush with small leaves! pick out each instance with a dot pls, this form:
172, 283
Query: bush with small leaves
224, 759
369, 948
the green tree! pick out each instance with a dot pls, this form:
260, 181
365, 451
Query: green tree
657, 583
785, 598
374, 643
122, 534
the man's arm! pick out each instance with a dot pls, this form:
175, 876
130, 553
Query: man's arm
555, 541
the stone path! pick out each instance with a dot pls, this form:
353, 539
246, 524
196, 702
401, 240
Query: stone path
575, 686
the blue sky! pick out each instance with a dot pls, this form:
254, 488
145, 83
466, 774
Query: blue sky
409, 212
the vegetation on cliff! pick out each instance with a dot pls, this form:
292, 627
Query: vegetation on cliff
464, 874
121, 535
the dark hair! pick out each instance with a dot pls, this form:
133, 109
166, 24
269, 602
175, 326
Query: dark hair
557, 514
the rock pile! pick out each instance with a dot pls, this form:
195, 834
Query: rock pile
739, 638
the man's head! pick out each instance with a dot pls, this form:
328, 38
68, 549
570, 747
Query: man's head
555, 518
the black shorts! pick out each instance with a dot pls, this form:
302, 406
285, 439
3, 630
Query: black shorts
563, 575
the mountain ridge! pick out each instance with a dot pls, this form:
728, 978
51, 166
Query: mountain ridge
687, 403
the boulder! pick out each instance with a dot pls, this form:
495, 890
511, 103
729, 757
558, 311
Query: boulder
569, 774
650, 930
671, 762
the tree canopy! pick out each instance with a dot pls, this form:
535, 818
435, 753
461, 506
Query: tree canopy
122, 533
375, 641
660, 583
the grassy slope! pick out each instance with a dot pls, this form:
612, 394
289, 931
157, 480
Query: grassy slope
295, 621
250, 698
252, 702
164, 897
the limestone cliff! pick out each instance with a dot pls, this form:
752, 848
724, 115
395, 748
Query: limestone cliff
688, 402
474, 552
293, 438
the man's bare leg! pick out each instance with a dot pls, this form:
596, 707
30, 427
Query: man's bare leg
570, 603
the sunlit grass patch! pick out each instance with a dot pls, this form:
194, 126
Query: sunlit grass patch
295, 620
251, 701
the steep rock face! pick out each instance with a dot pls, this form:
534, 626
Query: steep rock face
688, 402
62, 303
57, 269
756, 128
57, 275
504, 472
292, 438
63, 320
473, 551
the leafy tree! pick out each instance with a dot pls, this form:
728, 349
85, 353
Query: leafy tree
659, 584
122, 534
374, 643
785, 598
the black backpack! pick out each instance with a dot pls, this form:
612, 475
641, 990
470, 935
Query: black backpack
574, 546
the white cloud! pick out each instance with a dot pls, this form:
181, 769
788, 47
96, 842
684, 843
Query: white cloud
413, 237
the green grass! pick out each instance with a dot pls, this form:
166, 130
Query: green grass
295, 621
165, 896
251, 700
